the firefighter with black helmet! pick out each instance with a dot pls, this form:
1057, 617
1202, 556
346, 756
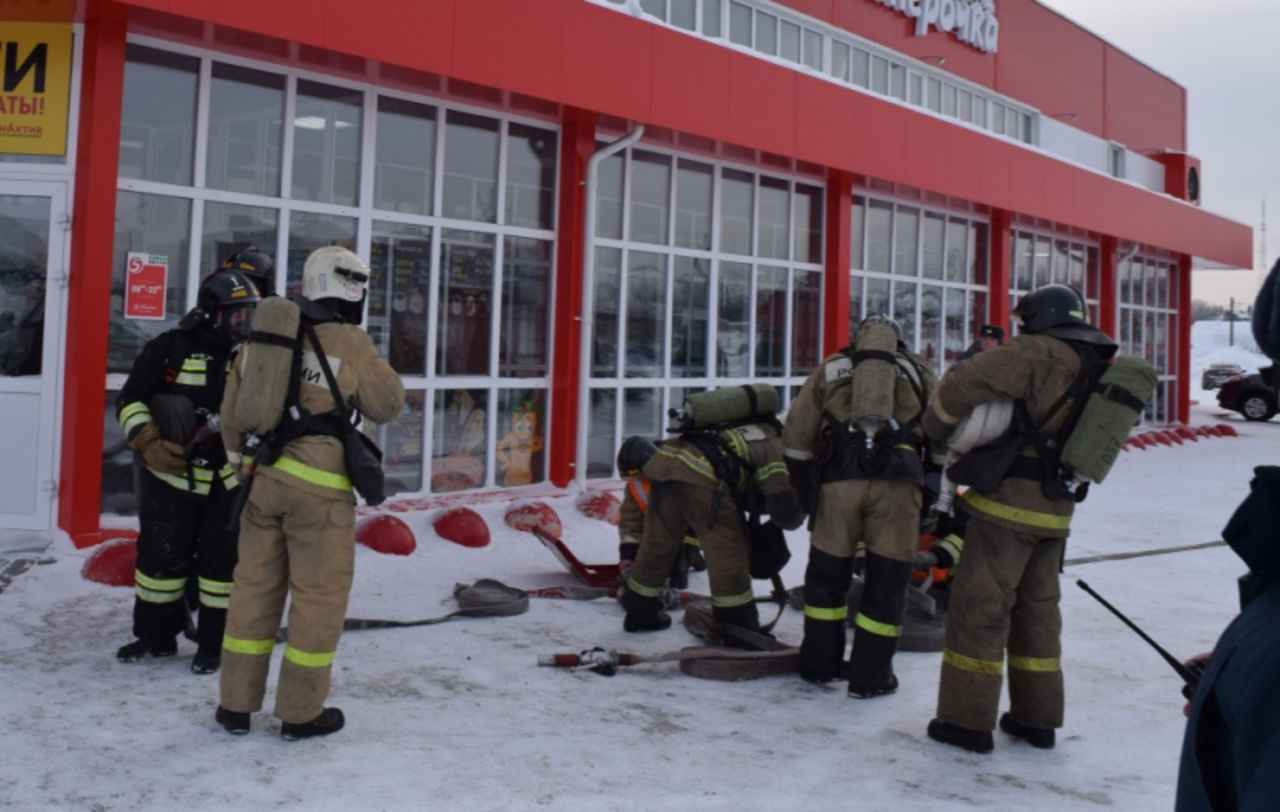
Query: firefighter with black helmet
710, 478
168, 409
634, 452
855, 449
1004, 599
256, 264
297, 528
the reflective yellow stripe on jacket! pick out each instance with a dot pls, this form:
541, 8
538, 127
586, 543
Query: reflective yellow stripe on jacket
1033, 518
194, 372
134, 415
308, 473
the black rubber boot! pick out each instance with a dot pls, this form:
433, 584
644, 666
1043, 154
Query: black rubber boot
1042, 737
234, 722
329, 721
975, 741
135, 651
732, 619
643, 614
206, 661
877, 626
826, 586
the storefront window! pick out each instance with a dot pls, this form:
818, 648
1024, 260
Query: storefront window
650, 194
646, 304
774, 219
309, 231
464, 316
602, 442
471, 168
693, 205
401, 443
246, 126
806, 317
531, 177
229, 228
607, 287
931, 250
119, 493
906, 226
326, 143
609, 197
400, 257
642, 412
405, 156
807, 232
460, 439
155, 230
523, 347
158, 115
733, 326
771, 320
736, 202
689, 310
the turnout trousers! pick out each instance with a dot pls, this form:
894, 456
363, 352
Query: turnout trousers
674, 507
1006, 589
296, 544
182, 536
885, 515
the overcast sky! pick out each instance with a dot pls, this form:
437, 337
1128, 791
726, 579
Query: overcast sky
1224, 53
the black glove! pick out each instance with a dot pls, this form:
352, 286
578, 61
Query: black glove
784, 509
804, 480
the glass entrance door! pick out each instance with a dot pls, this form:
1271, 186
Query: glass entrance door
33, 265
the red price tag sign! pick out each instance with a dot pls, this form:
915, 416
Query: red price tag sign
144, 285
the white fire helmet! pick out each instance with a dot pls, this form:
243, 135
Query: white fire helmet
334, 272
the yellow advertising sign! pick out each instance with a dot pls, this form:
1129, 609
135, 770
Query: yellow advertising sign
35, 87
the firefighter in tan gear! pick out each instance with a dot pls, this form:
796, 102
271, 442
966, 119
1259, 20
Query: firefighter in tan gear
688, 490
860, 477
632, 454
297, 526
1004, 599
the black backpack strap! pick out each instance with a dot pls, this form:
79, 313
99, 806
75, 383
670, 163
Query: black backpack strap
339, 406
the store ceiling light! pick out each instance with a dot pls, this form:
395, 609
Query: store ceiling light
309, 122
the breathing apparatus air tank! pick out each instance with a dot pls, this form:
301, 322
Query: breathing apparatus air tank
728, 404
874, 377
1107, 417
267, 365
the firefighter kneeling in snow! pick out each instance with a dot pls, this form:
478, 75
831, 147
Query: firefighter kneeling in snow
297, 530
185, 494
633, 453
694, 480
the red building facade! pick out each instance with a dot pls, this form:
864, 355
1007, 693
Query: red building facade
579, 211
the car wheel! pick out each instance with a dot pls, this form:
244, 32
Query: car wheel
1256, 406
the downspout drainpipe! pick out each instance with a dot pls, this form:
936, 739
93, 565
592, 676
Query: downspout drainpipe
588, 279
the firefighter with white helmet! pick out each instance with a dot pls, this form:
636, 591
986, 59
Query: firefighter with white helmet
168, 409
297, 526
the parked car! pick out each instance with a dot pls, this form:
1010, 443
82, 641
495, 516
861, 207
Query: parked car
1217, 372
1253, 396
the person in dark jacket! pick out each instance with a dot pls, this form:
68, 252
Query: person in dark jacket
989, 337
1232, 743
168, 409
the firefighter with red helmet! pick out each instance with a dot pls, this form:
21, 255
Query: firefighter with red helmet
168, 409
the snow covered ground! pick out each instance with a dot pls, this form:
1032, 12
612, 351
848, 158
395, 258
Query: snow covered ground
458, 716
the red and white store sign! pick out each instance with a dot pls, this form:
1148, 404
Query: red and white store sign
971, 21
144, 285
